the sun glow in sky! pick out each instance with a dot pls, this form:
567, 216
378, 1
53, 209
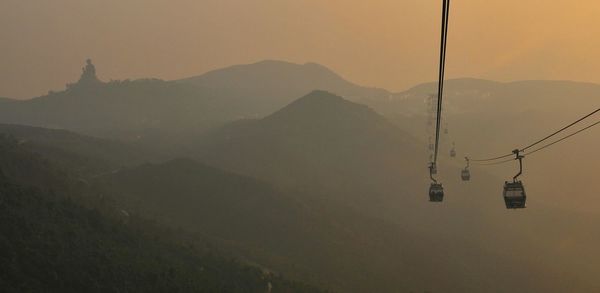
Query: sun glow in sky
384, 43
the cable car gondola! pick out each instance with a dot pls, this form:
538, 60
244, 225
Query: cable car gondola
453, 151
465, 174
514, 192
436, 192
514, 195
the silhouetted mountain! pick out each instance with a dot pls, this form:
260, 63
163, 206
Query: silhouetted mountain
158, 112
130, 107
475, 95
272, 84
148, 110
482, 113
64, 238
87, 155
321, 141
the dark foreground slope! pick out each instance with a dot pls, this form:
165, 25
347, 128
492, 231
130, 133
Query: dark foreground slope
309, 240
54, 239
316, 240
313, 240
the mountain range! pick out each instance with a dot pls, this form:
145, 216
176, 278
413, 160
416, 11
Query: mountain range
274, 84
326, 186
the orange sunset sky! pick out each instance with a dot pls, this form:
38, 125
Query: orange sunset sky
384, 43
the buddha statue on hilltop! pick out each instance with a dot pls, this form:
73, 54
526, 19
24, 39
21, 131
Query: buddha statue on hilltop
88, 76
88, 73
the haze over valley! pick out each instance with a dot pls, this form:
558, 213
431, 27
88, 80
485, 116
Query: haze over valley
298, 171
299, 146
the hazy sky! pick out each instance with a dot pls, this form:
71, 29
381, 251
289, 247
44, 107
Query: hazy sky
384, 43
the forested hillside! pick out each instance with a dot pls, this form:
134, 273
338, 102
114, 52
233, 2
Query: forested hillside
63, 237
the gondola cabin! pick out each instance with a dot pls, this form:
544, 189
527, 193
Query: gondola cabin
452, 153
514, 195
436, 192
465, 174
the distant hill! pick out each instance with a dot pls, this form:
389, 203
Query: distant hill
476, 95
60, 237
152, 111
149, 111
320, 140
488, 117
88, 155
272, 84
163, 114
130, 109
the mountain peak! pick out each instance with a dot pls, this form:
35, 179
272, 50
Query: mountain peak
323, 107
277, 82
319, 100
320, 97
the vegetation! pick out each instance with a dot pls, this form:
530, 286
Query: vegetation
55, 240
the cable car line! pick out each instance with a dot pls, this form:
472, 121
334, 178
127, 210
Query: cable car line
559, 131
543, 147
442, 71
568, 136
535, 143
496, 163
491, 159
436, 190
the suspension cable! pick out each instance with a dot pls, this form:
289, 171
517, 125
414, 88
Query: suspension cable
564, 138
543, 147
492, 159
539, 141
444, 37
496, 163
560, 130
